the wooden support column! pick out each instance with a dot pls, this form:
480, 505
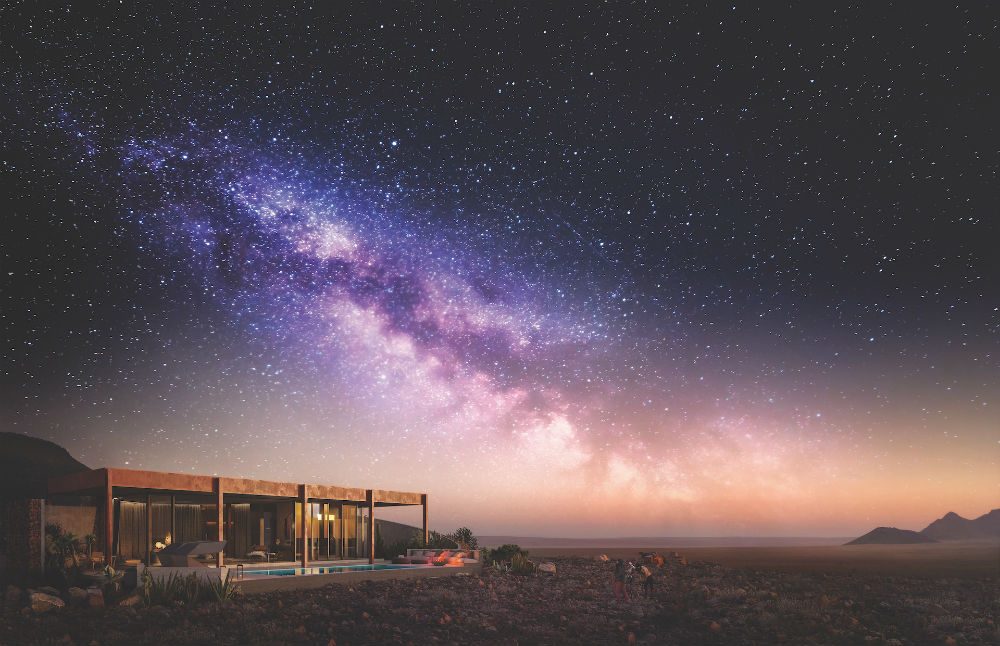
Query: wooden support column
173, 519
423, 503
109, 518
370, 499
149, 529
220, 517
304, 518
324, 527
343, 533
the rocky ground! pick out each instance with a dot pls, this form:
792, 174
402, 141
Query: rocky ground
699, 603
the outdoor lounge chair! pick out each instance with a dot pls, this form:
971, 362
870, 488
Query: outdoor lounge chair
186, 554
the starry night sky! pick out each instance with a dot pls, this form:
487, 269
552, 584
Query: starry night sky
580, 269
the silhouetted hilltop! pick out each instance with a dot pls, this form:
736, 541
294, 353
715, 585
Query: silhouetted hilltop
952, 527
990, 523
891, 536
26, 464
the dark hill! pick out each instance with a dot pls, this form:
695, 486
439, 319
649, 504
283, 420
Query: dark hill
26, 464
952, 527
891, 536
989, 523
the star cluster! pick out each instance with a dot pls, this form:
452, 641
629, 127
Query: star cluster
569, 269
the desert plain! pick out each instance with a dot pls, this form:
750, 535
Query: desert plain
938, 594
933, 560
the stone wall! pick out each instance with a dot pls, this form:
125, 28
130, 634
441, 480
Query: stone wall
77, 519
21, 524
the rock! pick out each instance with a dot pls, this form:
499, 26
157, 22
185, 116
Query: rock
48, 589
95, 598
714, 627
76, 596
12, 596
160, 611
547, 566
131, 601
41, 602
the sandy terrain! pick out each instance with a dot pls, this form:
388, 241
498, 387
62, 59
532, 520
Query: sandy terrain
959, 559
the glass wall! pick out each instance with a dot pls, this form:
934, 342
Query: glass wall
350, 531
185, 521
325, 531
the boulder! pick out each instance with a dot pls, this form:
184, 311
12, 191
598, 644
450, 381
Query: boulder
547, 566
131, 600
76, 596
48, 589
95, 598
12, 597
41, 602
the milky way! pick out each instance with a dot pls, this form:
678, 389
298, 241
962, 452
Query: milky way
617, 272
401, 319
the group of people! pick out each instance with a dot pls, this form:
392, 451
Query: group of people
626, 572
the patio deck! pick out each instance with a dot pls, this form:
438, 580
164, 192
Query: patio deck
310, 582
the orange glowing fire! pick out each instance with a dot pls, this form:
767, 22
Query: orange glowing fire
445, 558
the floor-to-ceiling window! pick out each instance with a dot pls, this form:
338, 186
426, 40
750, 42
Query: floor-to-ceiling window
333, 537
350, 531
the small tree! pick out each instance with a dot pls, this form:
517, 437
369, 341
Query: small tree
439, 541
69, 542
89, 540
465, 538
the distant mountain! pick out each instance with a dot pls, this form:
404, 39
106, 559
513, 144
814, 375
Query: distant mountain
656, 542
952, 527
990, 523
891, 536
26, 464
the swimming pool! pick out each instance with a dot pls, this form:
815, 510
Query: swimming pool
330, 569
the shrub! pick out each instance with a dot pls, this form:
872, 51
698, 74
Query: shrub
162, 591
62, 563
440, 541
189, 590
222, 589
520, 564
505, 553
465, 538
396, 549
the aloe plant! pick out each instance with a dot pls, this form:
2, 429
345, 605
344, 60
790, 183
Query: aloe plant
223, 589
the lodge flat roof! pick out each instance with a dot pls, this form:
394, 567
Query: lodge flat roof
189, 483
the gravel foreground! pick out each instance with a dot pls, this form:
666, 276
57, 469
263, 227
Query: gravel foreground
699, 603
